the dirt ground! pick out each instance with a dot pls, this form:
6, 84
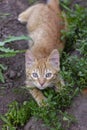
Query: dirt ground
15, 74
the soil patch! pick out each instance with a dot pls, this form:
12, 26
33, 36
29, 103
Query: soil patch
15, 74
79, 110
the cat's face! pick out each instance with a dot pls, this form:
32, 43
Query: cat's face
42, 73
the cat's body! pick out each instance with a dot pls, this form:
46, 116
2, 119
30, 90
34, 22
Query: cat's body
44, 25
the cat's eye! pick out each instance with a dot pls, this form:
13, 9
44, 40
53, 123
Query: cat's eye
48, 75
35, 75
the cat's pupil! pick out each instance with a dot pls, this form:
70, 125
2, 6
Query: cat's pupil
35, 75
48, 75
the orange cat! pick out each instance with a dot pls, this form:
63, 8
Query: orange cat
42, 60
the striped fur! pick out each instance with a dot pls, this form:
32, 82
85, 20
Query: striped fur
42, 60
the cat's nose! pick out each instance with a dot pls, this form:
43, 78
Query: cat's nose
41, 82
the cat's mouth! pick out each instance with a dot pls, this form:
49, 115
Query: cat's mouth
44, 85
41, 86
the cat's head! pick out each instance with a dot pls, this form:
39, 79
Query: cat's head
42, 73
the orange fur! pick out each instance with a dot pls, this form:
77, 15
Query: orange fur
44, 25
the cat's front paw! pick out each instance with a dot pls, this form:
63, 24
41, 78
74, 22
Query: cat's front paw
42, 103
22, 18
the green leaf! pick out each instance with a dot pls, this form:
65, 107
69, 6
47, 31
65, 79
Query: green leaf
65, 118
3, 67
14, 38
1, 77
5, 120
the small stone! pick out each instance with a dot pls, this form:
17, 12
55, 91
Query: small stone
19, 74
10, 85
12, 74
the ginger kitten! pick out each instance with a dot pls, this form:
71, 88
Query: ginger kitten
42, 60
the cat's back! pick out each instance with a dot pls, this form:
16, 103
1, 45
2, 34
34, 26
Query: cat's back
44, 25
42, 14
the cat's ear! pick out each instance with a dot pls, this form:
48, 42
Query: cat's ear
29, 58
54, 59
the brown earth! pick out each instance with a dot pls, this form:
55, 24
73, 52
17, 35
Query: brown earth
15, 74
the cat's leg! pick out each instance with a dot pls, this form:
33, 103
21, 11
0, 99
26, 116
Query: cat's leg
59, 84
24, 16
38, 96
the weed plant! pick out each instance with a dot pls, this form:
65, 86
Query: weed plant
73, 71
7, 52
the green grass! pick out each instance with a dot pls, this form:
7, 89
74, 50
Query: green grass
7, 52
32, 1
73, 71
4, 15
